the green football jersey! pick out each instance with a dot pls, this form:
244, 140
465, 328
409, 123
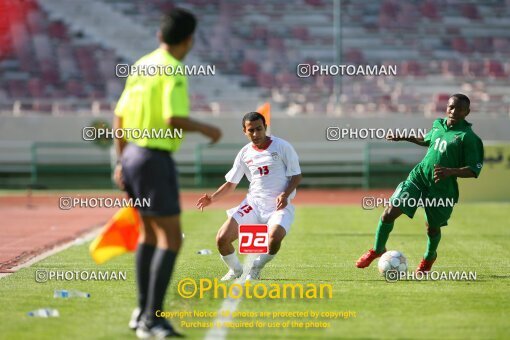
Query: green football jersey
456, 146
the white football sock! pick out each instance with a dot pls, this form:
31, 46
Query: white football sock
232, 262
261, 261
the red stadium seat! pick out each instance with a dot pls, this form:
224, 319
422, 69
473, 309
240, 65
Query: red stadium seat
301, 33
75, 88
50, 76
451, 68
473, 68
429, 9
315, 3
411, 68
276, 43
408, 15
35, 88
440, 100
483, 45
470, 11
289, 80
502, 45
390, 8
17, 88
259, 32
460, 45
354, 56
265, 80
249, 68
494, 68
58, 30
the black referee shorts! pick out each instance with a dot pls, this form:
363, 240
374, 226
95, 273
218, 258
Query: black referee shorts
151, 174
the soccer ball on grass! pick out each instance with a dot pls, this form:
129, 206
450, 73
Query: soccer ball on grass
392, 260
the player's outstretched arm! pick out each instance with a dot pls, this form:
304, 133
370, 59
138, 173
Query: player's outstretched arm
416, 140
191, 125
281, 200
206, 199
442, 172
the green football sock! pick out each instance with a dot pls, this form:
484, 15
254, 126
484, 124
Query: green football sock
432, 244
381, 236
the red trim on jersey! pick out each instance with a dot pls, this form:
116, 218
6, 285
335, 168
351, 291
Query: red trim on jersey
263, 148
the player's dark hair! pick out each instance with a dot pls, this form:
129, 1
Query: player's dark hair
177, 25
463, 99
253, 116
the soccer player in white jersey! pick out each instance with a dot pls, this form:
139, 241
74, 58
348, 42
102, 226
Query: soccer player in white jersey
272, 167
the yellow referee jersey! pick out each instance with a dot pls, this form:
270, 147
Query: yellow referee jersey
148, 100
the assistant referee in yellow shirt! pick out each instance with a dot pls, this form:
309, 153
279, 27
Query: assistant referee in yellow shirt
146, 168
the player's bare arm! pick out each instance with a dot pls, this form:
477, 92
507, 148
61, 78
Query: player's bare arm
206, 199
281, 200
442, 172
119, 143
416, 140
191, 125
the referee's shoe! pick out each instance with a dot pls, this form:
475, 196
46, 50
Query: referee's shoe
157, 329
135, 318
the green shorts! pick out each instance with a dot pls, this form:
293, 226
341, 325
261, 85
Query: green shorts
408, 197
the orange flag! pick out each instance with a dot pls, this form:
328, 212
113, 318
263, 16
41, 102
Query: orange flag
265, 110
118, 236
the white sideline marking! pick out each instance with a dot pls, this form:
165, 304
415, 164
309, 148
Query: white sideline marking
229, 304
57, 249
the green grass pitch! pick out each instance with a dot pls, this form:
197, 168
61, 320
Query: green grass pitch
322, 247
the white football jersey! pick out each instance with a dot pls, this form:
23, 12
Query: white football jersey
268, 171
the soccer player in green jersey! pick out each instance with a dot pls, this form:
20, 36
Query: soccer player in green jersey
454, 150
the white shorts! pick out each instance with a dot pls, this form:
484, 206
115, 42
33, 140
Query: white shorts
245, 213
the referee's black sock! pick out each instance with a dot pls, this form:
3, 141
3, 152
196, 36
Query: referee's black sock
144, 255
161, 270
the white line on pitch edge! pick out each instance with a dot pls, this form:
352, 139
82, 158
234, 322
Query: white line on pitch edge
229, 304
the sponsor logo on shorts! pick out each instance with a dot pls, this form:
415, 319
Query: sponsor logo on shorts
253, 239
